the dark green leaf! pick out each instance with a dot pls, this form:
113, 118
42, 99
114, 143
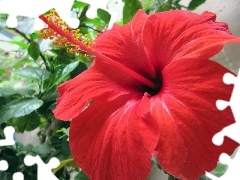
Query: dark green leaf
172, 178
3, 101
130, 8
65, 147
103, 15
33, 73
63, 72
18, 108
67, 70
81, 176
34, 50
63, 57
195, 3
28, 122
79, 69
10, 156
204, 177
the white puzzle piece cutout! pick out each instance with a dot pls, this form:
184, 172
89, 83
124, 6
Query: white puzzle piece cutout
3, 165
233, 167
232, 131
9, 140
18, 176
34, 8
44, 170
113, 7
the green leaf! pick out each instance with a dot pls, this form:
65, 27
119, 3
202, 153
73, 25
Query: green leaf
8, 92
18, 108
28, 122
147, 4
103, 15
2, 71
67, 70
81, 176
172, 178
78, 70
195, 3
34, 36
42, 149
79, 5
33, 73
130, 8
19, 63
62, 164
21, 44
34, 50
62, 73
219, 170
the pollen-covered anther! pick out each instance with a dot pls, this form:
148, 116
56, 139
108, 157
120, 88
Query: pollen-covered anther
74, 40
47, 33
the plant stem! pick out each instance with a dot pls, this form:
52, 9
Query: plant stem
29, 41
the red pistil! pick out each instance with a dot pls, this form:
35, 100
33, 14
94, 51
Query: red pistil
78, 43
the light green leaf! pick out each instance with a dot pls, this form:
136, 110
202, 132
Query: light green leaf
21, 44
34, 50
79, 5
18, 108
33, 73
42, 149
8, 92
19, 63
130, 8
147, 4
64, 163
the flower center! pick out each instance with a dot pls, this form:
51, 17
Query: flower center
158, 85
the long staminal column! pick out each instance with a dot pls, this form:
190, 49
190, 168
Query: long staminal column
67, 37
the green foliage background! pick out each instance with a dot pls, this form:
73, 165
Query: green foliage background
39, 73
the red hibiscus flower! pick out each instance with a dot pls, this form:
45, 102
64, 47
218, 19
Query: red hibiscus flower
150, 92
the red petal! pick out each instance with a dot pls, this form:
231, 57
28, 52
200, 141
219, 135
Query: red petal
114, 139
77, 93
188, 117
174, 35
124, 45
